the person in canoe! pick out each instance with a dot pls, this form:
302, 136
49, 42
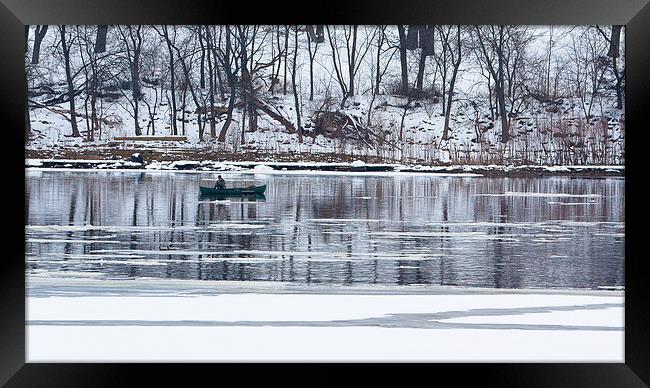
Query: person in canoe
221, 184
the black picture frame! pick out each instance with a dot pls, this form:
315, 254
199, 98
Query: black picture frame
15, 14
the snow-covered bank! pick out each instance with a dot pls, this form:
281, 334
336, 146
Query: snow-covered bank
158, 320
353, 167
564, 101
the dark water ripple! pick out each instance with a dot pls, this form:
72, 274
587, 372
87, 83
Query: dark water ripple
550, 232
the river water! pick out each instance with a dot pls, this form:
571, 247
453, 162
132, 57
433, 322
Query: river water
543, 232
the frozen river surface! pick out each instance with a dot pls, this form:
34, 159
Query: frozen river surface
547, 232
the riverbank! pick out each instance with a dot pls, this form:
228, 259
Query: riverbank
356, 166
95, 320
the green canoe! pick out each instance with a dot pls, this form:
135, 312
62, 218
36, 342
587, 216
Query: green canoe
254, 190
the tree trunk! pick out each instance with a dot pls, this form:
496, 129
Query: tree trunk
172, 74
427, 40
505, 130
68, 76
183, 101
614, 53
380, 41
456, 63
547, 88
135, 92
93, 96
219, 78
310, 31
231, 82
247, 83
93, 115
231, 106
615, 41
286, 49
100, 41
213, 129
618, 85
421, 66
202, 63
402, 57
352, 60
295, 89
449, 99
412, 38
320, 34
276, 78
311, 62
38, 39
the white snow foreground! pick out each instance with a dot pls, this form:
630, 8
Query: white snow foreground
99, 320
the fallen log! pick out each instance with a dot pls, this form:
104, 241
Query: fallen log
274, 115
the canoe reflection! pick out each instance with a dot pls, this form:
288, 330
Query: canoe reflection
231, 197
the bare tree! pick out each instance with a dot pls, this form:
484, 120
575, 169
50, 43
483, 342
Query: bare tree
230, 65
442, 61
515, 63
275, 74
286, 52
311, 37
589, 67
186, 58
491, 41
293, 82
169, 43
614, 52
353, 57
426, 44
336, 61
381, 37
89, 62
379, 71
65, 49
402, 58
211, 77
456, 57
132, 37
352, 52
245, 36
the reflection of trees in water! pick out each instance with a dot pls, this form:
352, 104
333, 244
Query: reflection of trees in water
392, 206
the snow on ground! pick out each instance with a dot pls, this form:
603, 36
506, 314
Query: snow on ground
210, 165
276, 172
262, 168
307, 344
356, 168
93, 320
